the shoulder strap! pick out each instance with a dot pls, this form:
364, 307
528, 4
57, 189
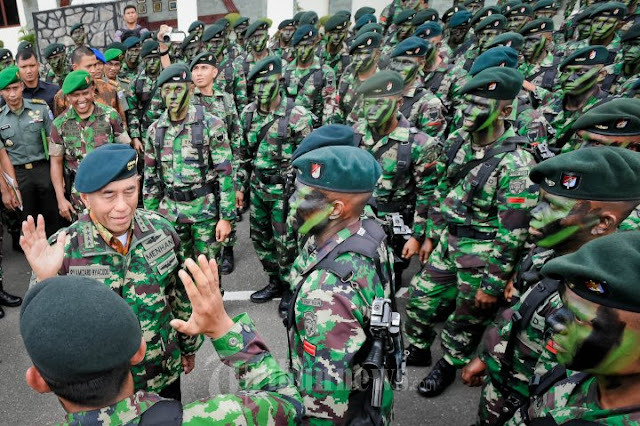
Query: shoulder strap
549, 77
436, 81
608, 82
408, 104
463, 47
451, 153
198, 140
167, 412
508, 146
228, 75
403, 160
158, 143
468, 63
283, 127
287, 80
547, 381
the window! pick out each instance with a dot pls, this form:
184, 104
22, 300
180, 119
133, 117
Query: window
9, 13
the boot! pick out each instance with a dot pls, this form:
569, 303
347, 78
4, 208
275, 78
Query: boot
273, 289
227, 264
441, 376
283, 307
239, 215
1, 312
418, 357
7, 299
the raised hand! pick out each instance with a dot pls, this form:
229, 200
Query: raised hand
45, 260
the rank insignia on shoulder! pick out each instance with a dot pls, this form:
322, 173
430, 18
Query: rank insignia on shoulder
309, 348
570, 180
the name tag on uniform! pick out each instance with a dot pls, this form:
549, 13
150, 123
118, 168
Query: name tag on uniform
159, 249
168, 265
97, 272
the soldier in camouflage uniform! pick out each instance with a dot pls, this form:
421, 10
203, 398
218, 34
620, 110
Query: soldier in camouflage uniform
58, 68
84, 126
477, 223
239, 30
188, 175
79, 37
329, 319
606, 18
485, 30
518, 17
404, 28
334, 50
257, 37
540, 66
433, 33
407, 157
458, 27
131, 66
307, 81
190, 47
6, 59
273, 128
113, 65
389, 13
281, 46
627, 68
580, 36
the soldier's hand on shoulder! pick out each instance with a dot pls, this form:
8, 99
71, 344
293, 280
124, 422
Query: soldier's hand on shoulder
45, 260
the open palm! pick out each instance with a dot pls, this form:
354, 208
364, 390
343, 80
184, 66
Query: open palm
45, 260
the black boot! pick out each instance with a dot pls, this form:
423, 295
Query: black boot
283, 307
273, 289
418, 357
7, 299
1, 313
227, 264
441, 376
238, 215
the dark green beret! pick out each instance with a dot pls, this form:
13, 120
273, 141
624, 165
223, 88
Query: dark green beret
509, 5
192, 38
76, 80
603, 173
337, 22
345, 169
364, 20
406, 16
369, 28
309, 18
632, 33
268, 66
493, 22
585, 14
257, 25
329, 135
460, 18
213, 31
297, 16
224, 22
603, 271
116, 45
495, 83
366, 10
286, 23
590, 55
365, 41
411, 47
545, 5
470, 2
382, 84
617, 117
76, 329
195, 25
107, 163
612, 8
500, 56
509, 39
483, 13
53, 49
426, 15
428, 30
344, 12
25, 45
75, 27
150, 47
5, 54
241, 20
304, 32
9, 76
520, 10
537, 26
132, 42
207, 58
112, 54
148, 34
175, 73
448, 14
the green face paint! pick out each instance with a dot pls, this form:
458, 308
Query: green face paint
515, 23
378, 111
191, 51
132, 56
631, 58
485, 36
286, 34
406, 67
602, 28
336, 38
533, 46
216, 45
404, 31
152, 65
362, 61
583, 29
576, 80
78, 37
311, 210
58, 63
259, 40
304, 52
176, 97
480, 113
266, 90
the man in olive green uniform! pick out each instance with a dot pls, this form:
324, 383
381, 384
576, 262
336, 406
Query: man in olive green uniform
79, 37
58, 67
540, 66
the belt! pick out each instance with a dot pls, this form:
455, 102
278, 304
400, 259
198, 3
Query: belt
461, 231
268, 178
191, 194
29, 166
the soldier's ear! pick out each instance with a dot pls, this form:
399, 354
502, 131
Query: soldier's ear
607, 224
36, 381
138, 357
85, 200
338, 210
507, 110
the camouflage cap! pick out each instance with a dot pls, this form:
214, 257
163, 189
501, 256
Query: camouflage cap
483, 13
404, 17
520, 10
428, 30
260, 24
150, 48
105, 164
460, 18
448, 14
268, 66
65, 322
604, 173
509, 39
493, 22
537, 26
411, 47
426, 15
25, 45
382, 84
545, 5
174, 73
632, 33
192, 38
75, 27
5, 54
590, 55
113, 54
616, 117
603, 271
495, 83
213, 31
243, 20
364, 20
344, 169
500, 56
329, 135
132, 42
613, 8
9, 76
195, 25
304, 32
53, 49
76, 80
366, 10
337, 22
369, 28
206, 58
286, 23
309, 18
366, 41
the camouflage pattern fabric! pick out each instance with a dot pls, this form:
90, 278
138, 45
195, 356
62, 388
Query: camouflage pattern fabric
128, 73
336, 61
530, 70
348, 101
390, 12
51, 77
105, 93
453, 79
428, 113
137, 119
232, 82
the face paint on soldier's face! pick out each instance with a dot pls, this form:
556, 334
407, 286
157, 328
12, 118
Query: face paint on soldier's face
78, 37
6, 63
404, 31
305, 51
458, 34
603, 27
58, 62
631, 65
311, 210
378, 111
576, 80
216, 45
485, 36
191, 51
475, 7
152, 65
515, 23
286, 34
362, 61
583, 29
406, 67
266, 90
533, 46
176, 98
132, 56
336, 38
259, 40
480, 113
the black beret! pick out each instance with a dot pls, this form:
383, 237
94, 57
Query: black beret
286, 23
382, 84
500, 56
364, 20
369, 28
493, 22
257, 25
195, 25
132, 42
366, 10
460, 18
617, 117
612, 8
406, 15
520, 10
77, 328
116, 45
174, 73
192, 38
107, 163
590, 55
412, 47
483, 13
329, 135
509, 39
308, 18
448, 14
207, 58
345, 169
632, 33
211, 32
603, 271
53, 49
241, 20
537, 26
337, 22
75, 27
5, 54
266, 67
365, 41
304, 32
428, 30
495, 83
150, 47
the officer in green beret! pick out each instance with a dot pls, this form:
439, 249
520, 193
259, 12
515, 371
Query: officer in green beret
239, 30
273, 127
196, 27
257, 50
334, 50
539, 66
190, 47
475, 231
132, 62
6, 58
365, 10
577, 33
307, 81
458, 24
621, 74
485, 12
545, 9
485, 30
57, 64
281, 42
518, 17
508, 39
606, 18
188, 173
586, 195
333, 185
401, 29
113, 65
433, 32
84, 126
79, 37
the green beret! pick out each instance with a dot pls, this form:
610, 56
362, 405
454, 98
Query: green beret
483, 13
603, 173
501, 56
297, 16
411, 47
132, 42
382, 84
148, 34
112, 54
257, 25
116, 45
366, 10
617, 117
76, 329
286, 23
309, 18
520, 10
460, 18
448, 14
25, 45
149, 48
603, 271
268, 66
545, 5
369, 28
75, 27
344, 12
612, 8
632, 33
53, 49
241, 20
509, 5
590, 55
426, 15
213, 31
174, 73
470, 2
207, 58
365, 41
195, 25
509, 39
192, 38
337, 22
105, 164
537, 26
5, 54
9, 76
585, 14
76, 80
428, 30
495, 83
224, 22
493, 22
364, 20
304, 32
329, 135
406, 16
345, 169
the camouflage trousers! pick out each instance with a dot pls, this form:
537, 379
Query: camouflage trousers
443, 288
494, 409
198, 238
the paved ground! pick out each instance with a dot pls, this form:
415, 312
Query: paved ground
19, 405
